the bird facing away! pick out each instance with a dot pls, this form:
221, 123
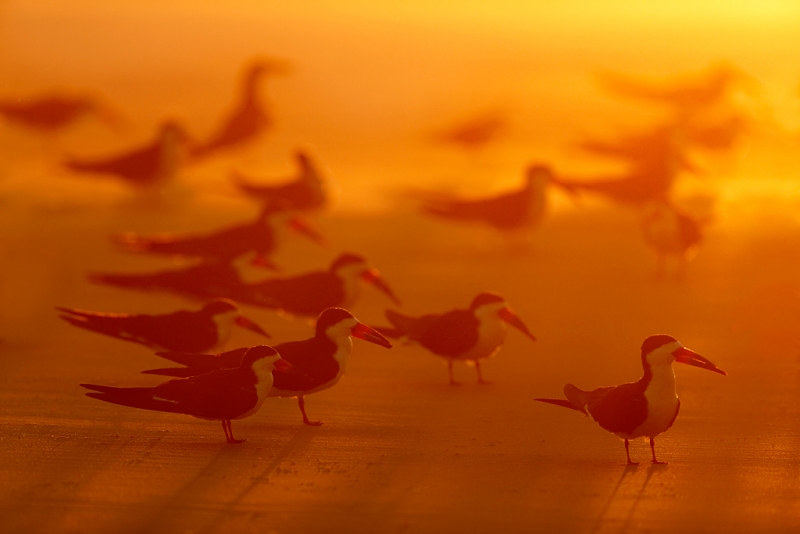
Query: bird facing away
221, 395
516, 210
310, 293
322, 358
469, 335
145, 167
52, 113
670, 233
260, 237
248, 118
306, 192
187, 331
644, 408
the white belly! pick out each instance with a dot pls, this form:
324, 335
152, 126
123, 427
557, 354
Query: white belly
491, 336
662, 407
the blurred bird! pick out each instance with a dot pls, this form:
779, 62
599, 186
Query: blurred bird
310, 293
52, 113
221, 395
259, 236
322, 358
508, 212
248, 119
670, 232
304, 193
644, 408
145, 167
469, 335
185, 331
475, 133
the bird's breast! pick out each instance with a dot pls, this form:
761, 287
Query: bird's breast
491, 336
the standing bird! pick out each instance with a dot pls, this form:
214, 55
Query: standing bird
322, 358
309, 294
221, 395
306, 192
259, 236
145, 167
644, 408
470, 335
49, 114
248, 119
185, 331
670, 233
517, 210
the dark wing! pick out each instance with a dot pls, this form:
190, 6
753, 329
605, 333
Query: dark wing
618, 409
506, 211
450, 334
222, 394
312, 356
689, 231
306, 294
136, 165
198, 364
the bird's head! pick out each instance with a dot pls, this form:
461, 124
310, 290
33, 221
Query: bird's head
265, 361
338, 323
490, 305
351, 266
538, 174
662, 350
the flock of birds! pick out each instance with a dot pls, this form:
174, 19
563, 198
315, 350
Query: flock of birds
232, 385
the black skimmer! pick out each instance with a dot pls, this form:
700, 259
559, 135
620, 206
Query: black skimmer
145, 167
468, 335
184, 331
52, 113
310, 293
221, 395
249, 118
508, 212
224, 245
644, 408
670, 233
322, 358
306, 192
476, 132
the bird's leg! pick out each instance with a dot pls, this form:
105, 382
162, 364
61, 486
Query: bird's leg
302, 403
628, 453
230, 431
450, 371
480, 375
653, 448
225, 429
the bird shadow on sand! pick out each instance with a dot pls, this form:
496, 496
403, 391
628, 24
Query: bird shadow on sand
629, 470
190, 494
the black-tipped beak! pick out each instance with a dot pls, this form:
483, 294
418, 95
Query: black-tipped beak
372, 276
261, 260
303, 227
362, 331
282, 366
244, 322
513, 319
684, 355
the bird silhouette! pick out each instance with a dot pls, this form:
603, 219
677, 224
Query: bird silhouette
306, 192
52, 113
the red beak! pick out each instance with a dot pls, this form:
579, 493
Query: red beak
263, 261
511, 318
302, 226
362, 331
684, 355
244, 322
372, 276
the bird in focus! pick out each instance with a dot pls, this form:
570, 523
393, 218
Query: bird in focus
187, 331
222, 395
645, 408
322, 358
468, 335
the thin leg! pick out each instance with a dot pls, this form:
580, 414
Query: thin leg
480, 375
653, 448
628, 453
450, 371
230, 432
302, 403
225, 429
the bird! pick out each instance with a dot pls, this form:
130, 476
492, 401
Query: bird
670, 233
249, 118
462, 334
145, 167
322, 358
51, 113
259, 236
645, 408
476, 132
310, 293
516, 210
306, 192
187, 331
220, 395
